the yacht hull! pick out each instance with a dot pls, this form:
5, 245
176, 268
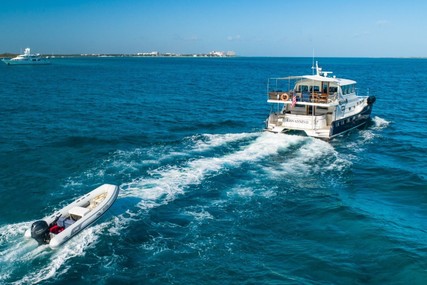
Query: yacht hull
25, 62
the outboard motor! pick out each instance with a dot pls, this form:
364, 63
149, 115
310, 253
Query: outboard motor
40, 232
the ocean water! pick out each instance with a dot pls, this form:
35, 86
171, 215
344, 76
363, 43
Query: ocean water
206, 196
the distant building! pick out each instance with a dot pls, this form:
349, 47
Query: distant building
222, 53
153, 53
170, 54
217, 53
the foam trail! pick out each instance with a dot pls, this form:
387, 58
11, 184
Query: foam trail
314, 156
13, 248
58, 257
128, 163
372, 132
380, 123
307, 158
171, 181
209, 141
13, 236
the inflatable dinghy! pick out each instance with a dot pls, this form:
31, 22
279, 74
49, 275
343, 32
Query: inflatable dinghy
62, 225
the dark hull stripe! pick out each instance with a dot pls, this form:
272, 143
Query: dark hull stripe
349, 123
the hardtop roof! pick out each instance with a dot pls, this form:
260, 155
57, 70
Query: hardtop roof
318, 78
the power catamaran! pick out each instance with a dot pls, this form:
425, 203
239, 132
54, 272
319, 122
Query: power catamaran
319, 105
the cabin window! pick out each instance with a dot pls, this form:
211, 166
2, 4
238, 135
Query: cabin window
325, 88
345, 90
333, 90
303, 88
314, 88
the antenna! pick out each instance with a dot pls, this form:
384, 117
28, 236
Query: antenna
312, 63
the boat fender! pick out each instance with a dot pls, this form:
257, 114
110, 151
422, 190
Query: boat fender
284, 97
40, 232
371, 100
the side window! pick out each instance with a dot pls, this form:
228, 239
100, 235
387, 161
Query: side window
345, 90
314, 88
303, 88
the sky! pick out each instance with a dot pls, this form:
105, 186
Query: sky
328, 28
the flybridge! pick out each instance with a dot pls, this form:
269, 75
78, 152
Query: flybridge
308, 89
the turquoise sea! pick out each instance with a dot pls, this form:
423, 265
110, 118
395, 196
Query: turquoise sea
206, 196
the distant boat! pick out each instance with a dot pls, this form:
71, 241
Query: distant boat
62, 225
27, 58
318, 105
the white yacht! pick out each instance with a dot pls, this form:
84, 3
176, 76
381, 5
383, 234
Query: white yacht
319, 105
27, 58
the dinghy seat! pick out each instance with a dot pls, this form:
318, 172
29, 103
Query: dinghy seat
64, 222
77, 212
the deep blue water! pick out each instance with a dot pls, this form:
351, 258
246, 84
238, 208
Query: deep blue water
206, 196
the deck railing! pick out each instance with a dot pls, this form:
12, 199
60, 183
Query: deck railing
314, 97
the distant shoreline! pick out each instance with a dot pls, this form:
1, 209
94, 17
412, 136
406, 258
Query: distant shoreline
151, 54
201, 55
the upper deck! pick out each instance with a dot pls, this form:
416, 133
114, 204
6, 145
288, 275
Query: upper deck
316, 89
